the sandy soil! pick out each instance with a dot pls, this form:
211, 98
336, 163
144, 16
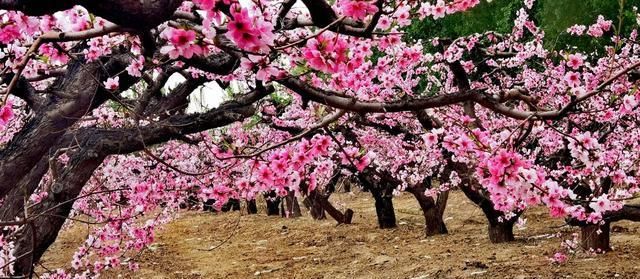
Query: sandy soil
257, 246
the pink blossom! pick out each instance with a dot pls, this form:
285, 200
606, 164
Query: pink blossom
251, 33
438, 10
181, 43
357, 9
6, 113
134, 69
575, 61
572, 79
559, 258
112, 83
326, 53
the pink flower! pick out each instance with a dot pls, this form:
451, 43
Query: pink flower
249, 33
438, 10
601, 204
575, 61
6, 113
362, 163
605, 25
576, 30
357, 9
430, 139
134, 69
595, 31
9, 33
265, 175
112, 83
572, 79
424, 10
326, 53
629, 103
559, 258
181, 43
205, 4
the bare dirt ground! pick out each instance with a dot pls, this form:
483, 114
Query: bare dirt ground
257, 246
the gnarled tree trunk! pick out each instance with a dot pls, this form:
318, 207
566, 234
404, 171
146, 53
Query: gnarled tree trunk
596, 237
384, 209
314, 204
273, 204
500, 232
290, 207
432, 210
252, 208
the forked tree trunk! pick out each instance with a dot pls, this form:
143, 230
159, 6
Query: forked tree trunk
500, 232
596, 237
313, 203
431, 210
335, 213
318, 204
273, 204
382, 192
290, 207
252, 208
384, 209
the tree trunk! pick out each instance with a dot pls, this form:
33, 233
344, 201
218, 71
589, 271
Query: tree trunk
384, 210
273, 204
431, 210
46, 127
231, 205
591, 239
34, 239
347, 185
313, 203
290, 206
382, 191
335, 213
252, 208
500, 232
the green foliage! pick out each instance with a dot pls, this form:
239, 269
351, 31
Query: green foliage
497, 15
281, 99
553, 16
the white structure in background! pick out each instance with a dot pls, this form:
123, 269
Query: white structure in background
207, 96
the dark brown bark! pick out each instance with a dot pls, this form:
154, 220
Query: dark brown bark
44, 129
314, 205
335, 213
384, 210
231, 205
52, 212
290, 207
134, 14
628, 212
432, 210
592, 240
94, 145
381, 189
273, 204
500, 232
25, 188
252, 208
